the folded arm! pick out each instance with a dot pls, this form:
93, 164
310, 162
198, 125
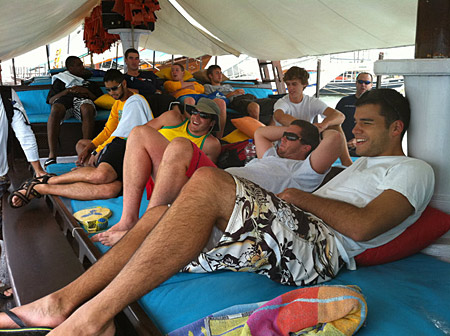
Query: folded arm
265, 136
383, 213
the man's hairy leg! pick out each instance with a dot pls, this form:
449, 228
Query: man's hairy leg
207, 199
53, 309
171, 176
145, 148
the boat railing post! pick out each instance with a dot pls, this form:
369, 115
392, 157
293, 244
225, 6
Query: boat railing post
154, 60
380, 57
319, 69
14, 71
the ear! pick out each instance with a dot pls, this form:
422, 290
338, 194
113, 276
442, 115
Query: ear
397, 127
307, 148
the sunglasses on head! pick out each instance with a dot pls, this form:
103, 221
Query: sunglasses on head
202, 115
114, 88
291, 136
367, 82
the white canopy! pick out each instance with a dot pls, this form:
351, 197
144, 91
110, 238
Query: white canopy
265, 29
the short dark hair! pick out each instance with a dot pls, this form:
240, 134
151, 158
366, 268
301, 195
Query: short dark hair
365, 73
394, 106
181, 67
113, 75
296, 72
70, 61
129, 51
211, 68
309, 133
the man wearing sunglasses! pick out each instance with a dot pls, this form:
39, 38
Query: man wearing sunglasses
299, 161
102, 157
71, 95
347, 106
296, 105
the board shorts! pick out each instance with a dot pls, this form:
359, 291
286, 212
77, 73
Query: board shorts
199, 159
269, 236
73, 106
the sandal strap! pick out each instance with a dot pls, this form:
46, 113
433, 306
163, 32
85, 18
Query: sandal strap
15, 318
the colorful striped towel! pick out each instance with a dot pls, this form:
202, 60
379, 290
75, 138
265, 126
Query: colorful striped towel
319, 310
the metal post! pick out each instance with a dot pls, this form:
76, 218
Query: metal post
14, 71
47, 48
187, 64
172, 59
201, 62
319, 69
117, 55
154, 60
380, 57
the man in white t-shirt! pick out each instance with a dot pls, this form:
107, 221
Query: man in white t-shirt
294, 238
296, 105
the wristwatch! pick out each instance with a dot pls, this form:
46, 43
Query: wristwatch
94, 153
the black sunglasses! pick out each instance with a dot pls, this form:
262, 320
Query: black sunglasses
367, 82
114, 88
202, 115
291, 136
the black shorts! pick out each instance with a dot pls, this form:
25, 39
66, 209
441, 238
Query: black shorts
114, 154
159, 103
240, 104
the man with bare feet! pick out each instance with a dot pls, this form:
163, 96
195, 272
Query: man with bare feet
298, 162
367, 205
103, 177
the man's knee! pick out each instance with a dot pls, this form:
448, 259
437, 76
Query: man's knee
103, 174
211, 176
179, 151
57, 112
87, 111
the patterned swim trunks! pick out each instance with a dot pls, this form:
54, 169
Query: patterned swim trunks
268, 236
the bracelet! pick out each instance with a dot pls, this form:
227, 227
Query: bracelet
94, 152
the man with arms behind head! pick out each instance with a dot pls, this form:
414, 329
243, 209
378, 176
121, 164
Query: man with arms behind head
298, 162
367, 205
71, 94
347, 106
246, 104
296, 105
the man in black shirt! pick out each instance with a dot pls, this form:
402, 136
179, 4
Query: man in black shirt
71, 95
146, 83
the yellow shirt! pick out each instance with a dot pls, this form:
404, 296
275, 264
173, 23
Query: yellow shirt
181, 130
172, 86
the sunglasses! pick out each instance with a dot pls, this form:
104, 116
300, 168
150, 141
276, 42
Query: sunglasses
202, 115
367, 82
114, 88
291, 136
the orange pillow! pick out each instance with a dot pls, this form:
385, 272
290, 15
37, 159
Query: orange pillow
432, 224
247, 125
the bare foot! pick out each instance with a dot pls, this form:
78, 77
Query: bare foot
109, 238
45, 312
84, 323
122, 225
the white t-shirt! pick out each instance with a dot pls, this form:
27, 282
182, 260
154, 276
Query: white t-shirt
276, 174
307, 109
366, 179
22, 131
136, 111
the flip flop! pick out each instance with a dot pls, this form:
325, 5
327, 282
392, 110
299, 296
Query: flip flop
23, 330
49, 162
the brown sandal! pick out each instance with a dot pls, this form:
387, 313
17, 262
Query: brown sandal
28, 186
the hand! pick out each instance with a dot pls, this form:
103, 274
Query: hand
79, 90
83, 157
238, 92
290, 195
92, 161
351, 143
321, 127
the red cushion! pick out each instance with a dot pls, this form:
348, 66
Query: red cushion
432, 224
